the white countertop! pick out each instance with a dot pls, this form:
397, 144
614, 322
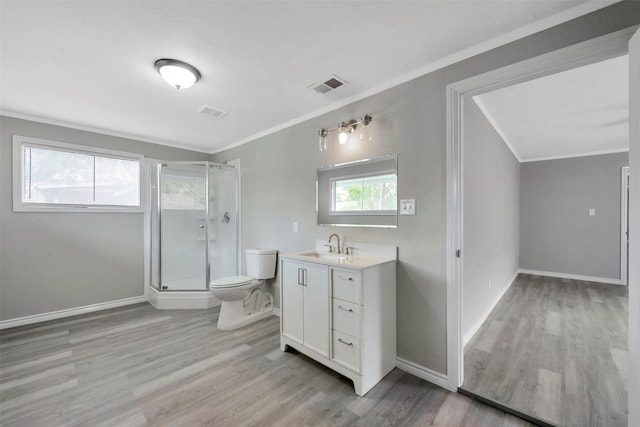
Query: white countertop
365, 256
358, 262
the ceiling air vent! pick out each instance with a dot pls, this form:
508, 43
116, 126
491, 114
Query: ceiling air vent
326, 86
208, 110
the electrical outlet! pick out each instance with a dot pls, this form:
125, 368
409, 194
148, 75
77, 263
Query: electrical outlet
489, 284
592, 212
295, 226
408, 207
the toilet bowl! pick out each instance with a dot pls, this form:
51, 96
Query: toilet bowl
243, 300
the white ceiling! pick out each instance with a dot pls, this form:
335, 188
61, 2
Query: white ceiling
577, 112
89, 64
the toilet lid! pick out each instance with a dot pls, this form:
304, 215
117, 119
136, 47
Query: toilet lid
230, 281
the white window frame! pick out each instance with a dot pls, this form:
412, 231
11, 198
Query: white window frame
333, 182
18, 177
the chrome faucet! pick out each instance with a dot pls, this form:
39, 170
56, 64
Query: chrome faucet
337, 237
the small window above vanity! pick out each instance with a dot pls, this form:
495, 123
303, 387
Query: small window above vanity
362, 193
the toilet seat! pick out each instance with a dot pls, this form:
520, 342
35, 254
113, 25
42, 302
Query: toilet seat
231, 282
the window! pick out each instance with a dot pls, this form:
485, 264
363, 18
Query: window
57, 176
373, 195
184, 188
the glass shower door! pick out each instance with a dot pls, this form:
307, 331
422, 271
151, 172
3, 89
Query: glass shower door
183, 226
223, 211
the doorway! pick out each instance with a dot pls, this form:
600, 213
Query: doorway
604, 48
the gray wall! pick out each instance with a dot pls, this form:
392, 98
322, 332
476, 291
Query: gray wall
556, 232
491, 222
57, 261
278, 177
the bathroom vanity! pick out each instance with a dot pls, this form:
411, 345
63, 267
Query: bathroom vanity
340, 310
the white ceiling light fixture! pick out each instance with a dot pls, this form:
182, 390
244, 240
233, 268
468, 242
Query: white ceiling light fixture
177, 73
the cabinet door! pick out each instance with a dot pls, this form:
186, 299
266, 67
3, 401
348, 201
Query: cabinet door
292, 297
316, 308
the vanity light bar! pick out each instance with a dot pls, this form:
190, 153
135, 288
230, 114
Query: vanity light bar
344, 129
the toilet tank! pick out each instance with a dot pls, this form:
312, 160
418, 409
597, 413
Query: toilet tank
261, 263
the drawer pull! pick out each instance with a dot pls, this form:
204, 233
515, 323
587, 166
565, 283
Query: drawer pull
345, 278
345, 309
344, 342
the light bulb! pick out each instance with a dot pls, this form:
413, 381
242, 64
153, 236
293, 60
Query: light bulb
177, 73
177, 77
342, 137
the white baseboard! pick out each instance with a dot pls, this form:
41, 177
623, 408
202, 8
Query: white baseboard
571, 276
177, 300
276, 311
476, 326
425, 373
28, 320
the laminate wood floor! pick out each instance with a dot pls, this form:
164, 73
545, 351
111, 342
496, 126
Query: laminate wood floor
555, 349
136, 366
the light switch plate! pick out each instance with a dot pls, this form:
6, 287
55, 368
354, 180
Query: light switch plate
408, 207
592, 212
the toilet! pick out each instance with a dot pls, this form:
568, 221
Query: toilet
243, 301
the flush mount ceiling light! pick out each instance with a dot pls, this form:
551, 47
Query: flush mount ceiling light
177, 73
344, 129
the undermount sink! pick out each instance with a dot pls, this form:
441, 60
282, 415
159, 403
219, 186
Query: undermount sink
324, 255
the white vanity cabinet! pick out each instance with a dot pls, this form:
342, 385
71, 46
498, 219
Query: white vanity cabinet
353, 316
305, 300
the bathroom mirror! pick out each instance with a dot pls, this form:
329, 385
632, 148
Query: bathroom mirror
363, 193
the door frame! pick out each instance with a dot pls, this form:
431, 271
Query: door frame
624, 225
594, 50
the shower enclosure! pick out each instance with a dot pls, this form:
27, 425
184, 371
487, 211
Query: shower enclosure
194, 224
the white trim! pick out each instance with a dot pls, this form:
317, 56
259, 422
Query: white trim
624, 221
93, 129
633, 384
527, 30
425, 373
496, 127
275, 311
37, 318
177, 300
476, 326
571, 156
590, 51
455, 361
571, 276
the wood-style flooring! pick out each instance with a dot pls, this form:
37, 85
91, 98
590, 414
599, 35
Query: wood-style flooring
555, 349
136, 366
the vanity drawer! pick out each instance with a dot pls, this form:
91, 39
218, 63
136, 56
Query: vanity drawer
346, 317
346, 350
346, 285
